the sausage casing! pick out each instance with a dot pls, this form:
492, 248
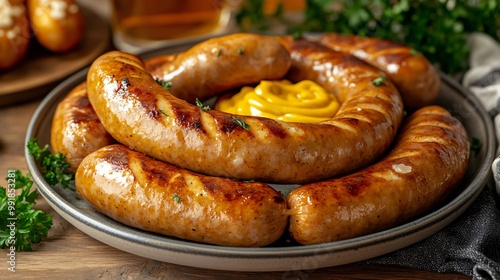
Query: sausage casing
76, 131
218, 65
416, 78
155, 196
427, 163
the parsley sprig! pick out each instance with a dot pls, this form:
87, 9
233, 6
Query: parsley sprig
165, 84
20, 224
54, 165
200, 104
378, 81
241, 123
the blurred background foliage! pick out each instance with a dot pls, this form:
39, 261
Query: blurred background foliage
437, 28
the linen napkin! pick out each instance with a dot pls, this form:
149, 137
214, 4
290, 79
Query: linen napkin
471, 244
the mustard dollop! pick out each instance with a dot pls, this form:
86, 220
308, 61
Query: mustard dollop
305, 101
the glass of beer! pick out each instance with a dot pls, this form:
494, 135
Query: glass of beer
142, 24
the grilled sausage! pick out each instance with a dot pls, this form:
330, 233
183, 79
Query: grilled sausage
155, 196
57, 24
217, 65
415, 77
14, 33
428, 161
140, 114
76, 131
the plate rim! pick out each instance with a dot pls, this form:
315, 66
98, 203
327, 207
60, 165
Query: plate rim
203, 255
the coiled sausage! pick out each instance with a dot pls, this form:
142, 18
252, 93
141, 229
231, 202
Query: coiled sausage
140, 114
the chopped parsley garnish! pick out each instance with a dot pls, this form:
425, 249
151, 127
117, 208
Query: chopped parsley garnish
414, 52
54, 166
202, 107
378, 81
165, 84
241, 123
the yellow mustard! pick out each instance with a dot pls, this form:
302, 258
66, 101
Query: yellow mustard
305, 101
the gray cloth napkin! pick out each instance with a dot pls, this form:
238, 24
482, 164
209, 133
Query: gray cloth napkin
471, 244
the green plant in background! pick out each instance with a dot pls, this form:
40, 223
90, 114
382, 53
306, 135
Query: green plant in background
437, 28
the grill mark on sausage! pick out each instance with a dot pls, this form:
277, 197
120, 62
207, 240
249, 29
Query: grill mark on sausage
148, 102
214, 188
279, 199
356, 185
225, 123
187, 117
239, 190
152, 170
352, 122
83, 111
274, 128
118, 159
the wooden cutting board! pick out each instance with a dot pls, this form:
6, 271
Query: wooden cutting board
41, 69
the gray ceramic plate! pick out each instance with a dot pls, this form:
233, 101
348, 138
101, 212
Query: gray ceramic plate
284, 255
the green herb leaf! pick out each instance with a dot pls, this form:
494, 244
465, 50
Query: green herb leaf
297, 35
378, 81
177, 198
240, 51
165, 84
414, 52
20, 224
54, 165
219, 53
202, 107
241, 123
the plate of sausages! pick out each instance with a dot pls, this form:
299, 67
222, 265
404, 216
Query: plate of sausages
161, 174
